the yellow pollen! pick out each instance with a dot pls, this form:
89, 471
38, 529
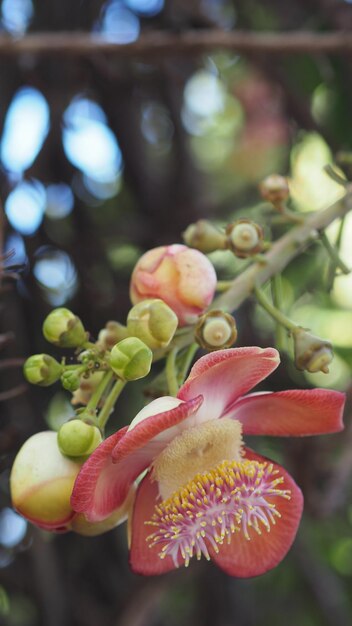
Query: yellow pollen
198, 518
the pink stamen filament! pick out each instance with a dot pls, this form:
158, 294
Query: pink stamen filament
233, 497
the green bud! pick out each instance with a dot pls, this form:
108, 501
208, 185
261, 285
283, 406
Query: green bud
153, 322
70, 380
131, 359
204, 237
111, 334
42, 369
244, 238
311, 353
216, 330
76, 438
64, 329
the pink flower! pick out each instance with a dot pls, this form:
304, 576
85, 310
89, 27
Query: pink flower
180, 276
205, 493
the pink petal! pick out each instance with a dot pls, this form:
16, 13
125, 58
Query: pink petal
95, 492
104, 481
148, 429
143, 559
290, 413
243, 558
225, 375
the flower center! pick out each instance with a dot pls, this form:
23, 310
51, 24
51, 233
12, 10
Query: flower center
195, 451
235, 496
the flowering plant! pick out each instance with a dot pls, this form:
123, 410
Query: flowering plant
180, 471
205, 492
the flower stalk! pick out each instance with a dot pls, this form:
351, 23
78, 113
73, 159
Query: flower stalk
171, 372
109, 403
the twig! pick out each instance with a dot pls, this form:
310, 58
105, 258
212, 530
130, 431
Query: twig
275, 260
157, 43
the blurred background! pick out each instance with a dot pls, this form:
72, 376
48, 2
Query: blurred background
101, 159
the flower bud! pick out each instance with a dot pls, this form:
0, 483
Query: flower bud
182, 277
274, 189
111, 334
311, 353
153, 322
86, 387
70, 380
204, 236
41, 482
131, 359
244, 238
64, 329
216, 330
76, 438
81, 526
42, 369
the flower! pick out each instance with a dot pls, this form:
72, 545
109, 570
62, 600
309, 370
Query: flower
182, 277
41, 484
204, 492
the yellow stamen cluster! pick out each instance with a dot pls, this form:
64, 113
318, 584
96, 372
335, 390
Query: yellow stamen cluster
235, 496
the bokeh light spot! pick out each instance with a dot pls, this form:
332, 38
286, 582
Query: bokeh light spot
118, 23
60, 201
56, 274
89, 143
12, 528
26, 126
25, 207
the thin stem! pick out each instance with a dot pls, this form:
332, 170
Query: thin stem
161, 44
333, 254
188, 358
223, 285
171, 372
273, 311
110, 403
282, 251
277, 296
99, 391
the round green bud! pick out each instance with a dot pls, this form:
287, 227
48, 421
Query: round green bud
76, 438
64, 329
152, 321
131, 359
42, 369
70, 380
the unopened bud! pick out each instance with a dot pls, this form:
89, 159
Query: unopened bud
70, 380
244, 238
64, 329
311, 353
76, 438
274, 189
81, 526
41, 482
204, 236
42, 369
131, 359
111, 334
153, 322
182, 277
86, 388
216, 330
